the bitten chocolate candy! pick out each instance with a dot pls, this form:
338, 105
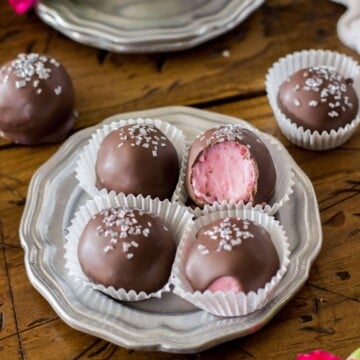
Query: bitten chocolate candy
128, 249
318, 98
229, 163
36, 100
137, 159
231, 254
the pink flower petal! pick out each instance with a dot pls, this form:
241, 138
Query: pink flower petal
21, 6
317, 355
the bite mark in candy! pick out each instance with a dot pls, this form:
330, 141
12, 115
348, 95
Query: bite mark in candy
229, 163
225, 171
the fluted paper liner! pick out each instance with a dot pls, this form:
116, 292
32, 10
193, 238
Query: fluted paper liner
286, 66
85, 167
283, 187
230, 303
174, 216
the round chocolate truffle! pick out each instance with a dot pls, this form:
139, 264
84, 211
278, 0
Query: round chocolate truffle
318, 98
127, 249
231, 254
36, 100
229, 163
137, 159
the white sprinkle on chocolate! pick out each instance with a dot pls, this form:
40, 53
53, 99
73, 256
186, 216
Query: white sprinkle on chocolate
117, 225
58, 90
313, 103
20, 84
227, 235
31, 69
54, 62
142, 135
297, 102
108, 248
223, 133
328, 87
126, 246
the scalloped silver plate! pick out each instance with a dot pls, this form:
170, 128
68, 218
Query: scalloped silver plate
168, 324
136, 26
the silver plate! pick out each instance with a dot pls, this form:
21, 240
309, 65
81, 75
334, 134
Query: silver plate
136, 26
167, 324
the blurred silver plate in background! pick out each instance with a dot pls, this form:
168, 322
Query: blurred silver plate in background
137, 26
167, 324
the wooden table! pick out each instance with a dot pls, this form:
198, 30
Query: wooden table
326, 311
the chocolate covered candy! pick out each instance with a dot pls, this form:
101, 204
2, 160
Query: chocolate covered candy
137, 159
318, 98
229, 163
128, 249
231, 254
36, 100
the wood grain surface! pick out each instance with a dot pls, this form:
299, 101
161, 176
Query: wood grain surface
326, 311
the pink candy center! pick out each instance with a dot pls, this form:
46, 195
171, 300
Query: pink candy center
21, 6
224, 171
225, 284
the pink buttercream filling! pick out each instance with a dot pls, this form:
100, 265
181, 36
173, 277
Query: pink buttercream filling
225, 284
224, 171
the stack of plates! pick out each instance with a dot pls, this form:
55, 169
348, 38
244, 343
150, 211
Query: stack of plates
136, 26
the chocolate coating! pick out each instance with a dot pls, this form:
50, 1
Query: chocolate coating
36, 100
138, 159
318, 98
266, 176
128, 249
232, 247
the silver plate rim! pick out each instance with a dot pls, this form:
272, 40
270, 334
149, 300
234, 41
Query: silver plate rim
164, 338
90, 33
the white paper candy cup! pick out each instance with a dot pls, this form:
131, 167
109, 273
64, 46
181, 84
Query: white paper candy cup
85, 167
230, 303
286, 66
174, 216
283, 187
